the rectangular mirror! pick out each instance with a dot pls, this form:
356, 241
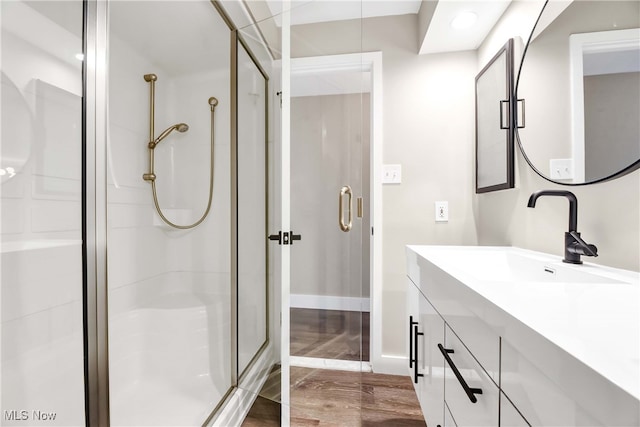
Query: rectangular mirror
494, 124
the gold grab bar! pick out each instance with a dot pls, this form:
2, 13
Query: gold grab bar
345, 227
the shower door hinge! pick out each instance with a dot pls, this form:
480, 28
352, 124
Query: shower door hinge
285, 238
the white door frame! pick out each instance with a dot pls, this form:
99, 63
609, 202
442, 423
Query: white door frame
367, 61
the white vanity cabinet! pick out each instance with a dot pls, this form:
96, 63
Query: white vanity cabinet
530, 380
509, 415
426, 366
543, 350
448, 418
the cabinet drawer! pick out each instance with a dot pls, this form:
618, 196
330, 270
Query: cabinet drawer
466, 314
509, 416
448, 418
482, 412
543, 402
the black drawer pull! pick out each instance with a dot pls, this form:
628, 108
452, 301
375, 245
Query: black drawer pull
416, 334
411, 323
471, 392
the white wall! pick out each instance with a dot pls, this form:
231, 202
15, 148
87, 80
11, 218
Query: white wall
607, 215
41, 367
169, 290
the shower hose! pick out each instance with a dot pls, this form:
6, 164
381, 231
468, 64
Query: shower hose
212, 102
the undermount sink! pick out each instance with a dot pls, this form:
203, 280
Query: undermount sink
514, 265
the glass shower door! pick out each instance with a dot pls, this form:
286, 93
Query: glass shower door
329, 291
329, 286
41, 248
258, 303
253, 291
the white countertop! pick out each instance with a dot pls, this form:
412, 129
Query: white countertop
590, 311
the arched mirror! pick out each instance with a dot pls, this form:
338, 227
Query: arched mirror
580, 82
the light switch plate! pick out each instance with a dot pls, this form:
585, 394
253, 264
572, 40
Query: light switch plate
442, 211
392, 174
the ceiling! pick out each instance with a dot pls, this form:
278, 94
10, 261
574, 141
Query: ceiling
439, 37
313, 11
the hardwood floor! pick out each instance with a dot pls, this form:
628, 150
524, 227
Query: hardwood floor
321, 397
263, 413
329, 334
338, 398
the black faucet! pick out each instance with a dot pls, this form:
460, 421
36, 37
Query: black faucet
574, 246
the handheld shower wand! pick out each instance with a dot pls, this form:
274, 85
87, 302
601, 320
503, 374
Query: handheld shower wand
180, 127
153, 143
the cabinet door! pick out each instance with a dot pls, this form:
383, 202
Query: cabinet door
483, 409
413, 313
430, 363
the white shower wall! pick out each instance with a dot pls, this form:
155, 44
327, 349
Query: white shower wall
41, 364
169, 290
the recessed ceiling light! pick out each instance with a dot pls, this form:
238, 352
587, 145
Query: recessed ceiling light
464, 20
80, 56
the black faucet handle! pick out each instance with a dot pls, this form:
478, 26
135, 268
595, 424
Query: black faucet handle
581, 247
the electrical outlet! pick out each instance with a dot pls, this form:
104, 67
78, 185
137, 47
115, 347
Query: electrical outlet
561, 168
442, 211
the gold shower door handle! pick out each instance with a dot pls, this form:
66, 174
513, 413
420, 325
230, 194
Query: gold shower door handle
345, 227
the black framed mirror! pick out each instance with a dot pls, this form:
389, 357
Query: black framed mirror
494, 128
580, 77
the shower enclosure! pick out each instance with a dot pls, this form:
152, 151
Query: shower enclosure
134, 178
110, 314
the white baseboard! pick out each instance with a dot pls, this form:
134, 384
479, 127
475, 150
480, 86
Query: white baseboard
392, 365
333, 364
323, 302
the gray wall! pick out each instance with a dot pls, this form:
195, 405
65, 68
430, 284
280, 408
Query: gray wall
330, 148
608, 214
428, 128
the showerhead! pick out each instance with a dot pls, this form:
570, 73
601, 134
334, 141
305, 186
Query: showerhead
180, 127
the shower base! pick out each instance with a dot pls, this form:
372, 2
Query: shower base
169, 356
